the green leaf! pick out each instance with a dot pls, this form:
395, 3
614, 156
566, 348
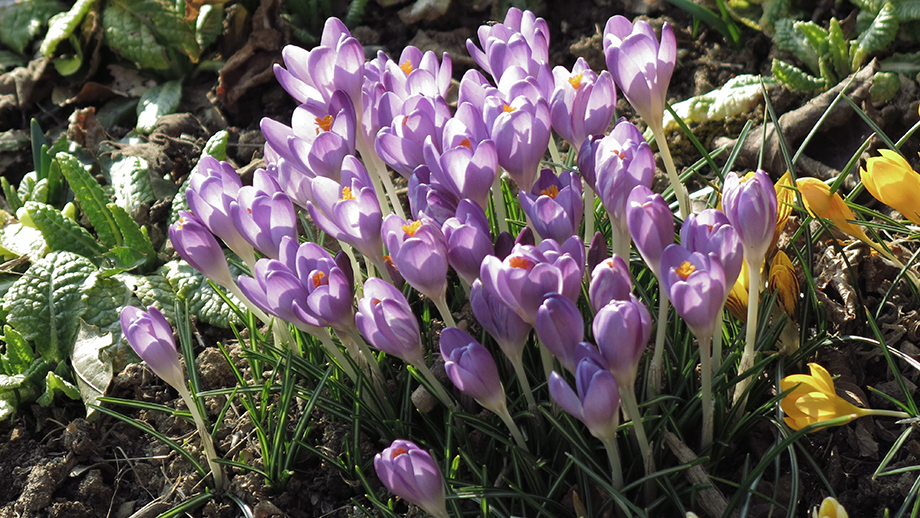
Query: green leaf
19, 353
9, 192
885, 86
129, 178
788, 39
54, 385
62, 233
795, 78
92, 198
907, 64
21, 240
62, 25
46, 303
104, 298
815, 36
877, 37
122, 259
91, 372
907, 10
160, 100
134, 236
179, 279
738, 95
129, 35
154, 290
8, 382
39, 144
209, 24
838, 48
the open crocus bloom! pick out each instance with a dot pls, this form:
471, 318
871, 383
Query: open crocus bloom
892, 181
813, 399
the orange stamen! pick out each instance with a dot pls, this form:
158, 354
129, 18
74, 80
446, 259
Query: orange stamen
507, 108
396, 452
324, 123
685, 269
319, 278
346, 194
575, 81
406, 67
466, 143
411, 228
520, 262
552, 191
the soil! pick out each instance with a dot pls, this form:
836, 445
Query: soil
55, 463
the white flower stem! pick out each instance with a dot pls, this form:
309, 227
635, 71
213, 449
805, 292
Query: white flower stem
589, 213
336, 354
717, 342
680, 191
380, 177
887, 413
517, 362
502, 413
613, 455
554, 154
706, 390
498, 200
620, 240
441, 304
750, 338
653, 386
439, 391
217, 471
628, 396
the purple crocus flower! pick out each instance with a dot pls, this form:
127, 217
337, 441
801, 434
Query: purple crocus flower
468, 240
386, 321
410, 473
709, 232
400, 142
467, 170
640, 65
329, 288
597, 401
263, 214
597, 250
428, 198
324, 133
750, 205
696, 287
471, 368
151, 337
211, 191
521, 132
278, 291
583, 102
610, 280
622, 161
554, 205
585, 160
560, 328
199, 248
499, 320
419, 250
651, 225
349, 211
622, 330
417, 73
336, 64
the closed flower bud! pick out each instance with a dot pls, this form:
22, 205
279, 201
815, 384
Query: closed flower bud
151, 337
892, 181
409, 472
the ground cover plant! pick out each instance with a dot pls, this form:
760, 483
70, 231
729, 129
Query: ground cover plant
444, 293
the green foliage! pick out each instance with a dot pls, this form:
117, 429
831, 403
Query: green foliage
160, 100
827, 55
21, 22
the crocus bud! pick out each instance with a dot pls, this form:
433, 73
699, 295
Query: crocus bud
783, 282
554, 205
622, 330
813, 399
822, 203
499, 320
597, 401
696, 287
651, 225
263, 214
892, 181
830, 508
610, 280
749, 204
419, 250
471, 368
410, 473
388, 323
199, 248
597, 250
560, 328
151, 337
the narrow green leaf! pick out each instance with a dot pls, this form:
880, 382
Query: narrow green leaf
38, 140
9, 192
92, 198
877, 37
46, 303
134, 236
62, 25
788, 39
838, 48
815, 36
54, 385
62, 233
209, 24
19, 353
158, 101
128, 35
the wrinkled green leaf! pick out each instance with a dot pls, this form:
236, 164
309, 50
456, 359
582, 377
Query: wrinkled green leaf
92, 199
122, 259
154, 290
128, 176
885, 86
62, 25
45, 305
209, 24
907, 64
8, 382
789, 39
815, 36
9, 59
19, 353
91, 372
134, 236
738, 95
69, 64
795, 78
838, 48
906, 10
160, 100
178, 278
9, 192
62, 233
19, 240
129, 35
54, 384
877, 37
104, 298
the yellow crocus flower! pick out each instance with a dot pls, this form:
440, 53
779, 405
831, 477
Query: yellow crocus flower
822, 203
813, 400
892, 181
830, 508
784, 282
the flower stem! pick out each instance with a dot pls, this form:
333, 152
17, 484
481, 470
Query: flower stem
498, 200
554, 154
503, 414
613, 455
887, 413
750, 339
680, 191
653, 386
517, 362
217, 471
705, 343
717, 342
589, 212
441, 304
439, 391
628, 396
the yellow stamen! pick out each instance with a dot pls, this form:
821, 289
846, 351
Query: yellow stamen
346, 194
575, 81
507, 108
406, 67
685, 269
396, 452
324, 123
552, 191
466, 143
411, 228
520, 262
319, 279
